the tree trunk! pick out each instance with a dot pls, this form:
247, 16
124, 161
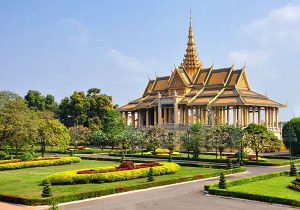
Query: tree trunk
188, 154
221, 154
256, 156
43, 148
216, 153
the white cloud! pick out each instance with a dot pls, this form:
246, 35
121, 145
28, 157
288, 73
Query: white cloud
78, 30
280, 25
254, 58
127, 63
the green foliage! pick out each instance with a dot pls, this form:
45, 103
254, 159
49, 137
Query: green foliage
71, 177
150, 175
122, 158
99, 138
259, 139
293, 170
80, 136
170, 158
6, 96
39, 163
53, 205
222, 181
89, 110
27, 156
156, 136
291, 135
197, 138
46, 189
51, 132
229, 164
37, 102
17, 125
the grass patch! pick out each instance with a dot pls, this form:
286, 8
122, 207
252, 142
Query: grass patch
272, 188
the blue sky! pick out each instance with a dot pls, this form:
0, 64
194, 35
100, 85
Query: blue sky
60, 46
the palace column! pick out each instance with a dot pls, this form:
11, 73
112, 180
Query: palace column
181, 114
241, 116
192, 115
258, 115
248, 115
159, 113
224, 115
254, 115
201, 110
228, 115
273, 112
147, 118
234, 116
267, 117
277, 118
132, 119
170, 115
186, 115
176, 114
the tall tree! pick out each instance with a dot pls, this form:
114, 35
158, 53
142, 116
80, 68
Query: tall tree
291, 135
197, 138
156, 136
99, 138
37, 102
51, 132
80, 136
6, 96
17, 125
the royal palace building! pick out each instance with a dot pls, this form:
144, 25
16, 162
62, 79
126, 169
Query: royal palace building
194, 93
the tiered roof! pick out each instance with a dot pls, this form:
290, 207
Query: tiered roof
196, 85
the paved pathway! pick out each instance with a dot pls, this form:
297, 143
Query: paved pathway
183, 196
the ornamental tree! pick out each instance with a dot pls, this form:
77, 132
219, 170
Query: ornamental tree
156, 136
197, 138
99, 138
51, 132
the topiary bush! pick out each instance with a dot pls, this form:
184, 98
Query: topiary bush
229, 164
150, 176
222, 181
293, 170
46, 189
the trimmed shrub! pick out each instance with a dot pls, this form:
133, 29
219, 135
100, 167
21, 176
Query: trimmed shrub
27, 156
295, 185
150, 175
17, 164
293, 170
46, 189
72, 177
229, 164
222, 182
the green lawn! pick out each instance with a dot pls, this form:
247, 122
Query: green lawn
26, 182
276, 187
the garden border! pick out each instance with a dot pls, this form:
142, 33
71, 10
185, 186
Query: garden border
214, 190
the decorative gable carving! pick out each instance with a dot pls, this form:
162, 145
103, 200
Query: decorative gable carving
177, 81
242, 83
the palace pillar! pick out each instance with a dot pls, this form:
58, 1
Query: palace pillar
192, 114
181, 110
213, 118
258, 115
234, 116
254, 115
248, 115
132, 119
170, 115
228, 115
165, 116
266, 116
186, 115
176, 114
277, 118
159, 113
273, 111
147, 118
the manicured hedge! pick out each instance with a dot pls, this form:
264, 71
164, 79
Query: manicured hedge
39, 163
214, 189
118, 189
72, 177
247, 162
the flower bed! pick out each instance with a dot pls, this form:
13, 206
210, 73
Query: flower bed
295, 185
19, 160
108, 174
18, 164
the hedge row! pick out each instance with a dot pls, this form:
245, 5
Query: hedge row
247, 162
118, 189
39, 163
214, 189
71, 177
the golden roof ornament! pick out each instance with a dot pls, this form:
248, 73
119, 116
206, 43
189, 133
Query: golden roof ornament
191, 62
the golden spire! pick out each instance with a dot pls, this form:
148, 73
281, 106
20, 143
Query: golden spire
191, 61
